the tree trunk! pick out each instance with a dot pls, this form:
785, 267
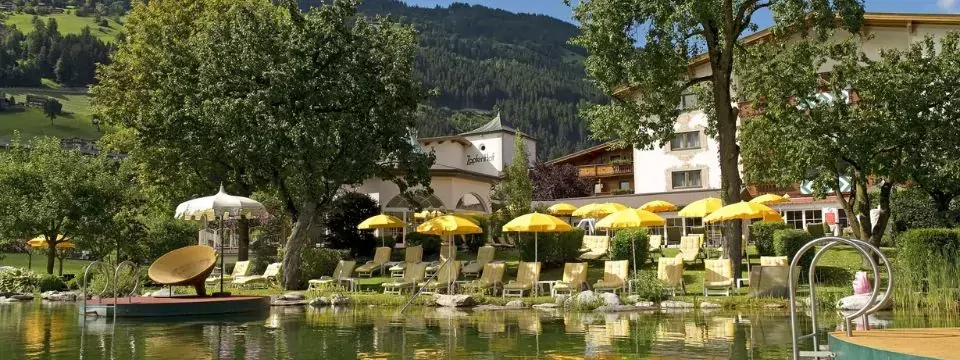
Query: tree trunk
941, 202
243, 239
51, 255
729, 168
883, 203
60, 271
295, 245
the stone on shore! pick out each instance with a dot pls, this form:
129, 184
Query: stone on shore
615, 308
320, 301
672, 304
610, 299
454, 300
340, 300
709, 305
292, 296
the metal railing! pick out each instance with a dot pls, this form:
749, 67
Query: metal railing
110, 286
865, 249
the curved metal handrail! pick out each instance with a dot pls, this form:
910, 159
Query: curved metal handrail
136, 276
86, 282
867, 251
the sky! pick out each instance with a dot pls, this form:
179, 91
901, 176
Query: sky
557, 9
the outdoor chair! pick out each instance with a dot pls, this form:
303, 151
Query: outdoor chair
673, 235
816, 229
484, 256
527, 276
717, 277
599, 244
491, 279
447, 253
341, 274
412, 276
574, 276
446, 276
271, 274
656, 246
614, 276
380, 259
240, 269
587, 243
411, 255
690, 248
774, 261
670, 273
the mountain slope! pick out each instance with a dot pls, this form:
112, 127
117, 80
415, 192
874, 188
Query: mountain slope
482, 58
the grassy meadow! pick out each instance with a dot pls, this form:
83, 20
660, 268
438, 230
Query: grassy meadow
68, 23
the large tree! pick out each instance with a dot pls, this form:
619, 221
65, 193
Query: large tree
300, 104
58, 194
558, 181
645, 48
880, 122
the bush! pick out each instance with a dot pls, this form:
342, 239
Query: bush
762, 235
431, 243
553, 248
50, 282
102, 278
74, 284
341, 221
19, 280
912, 208
648, 287
787, 242
925, 255
620, 245
317, 262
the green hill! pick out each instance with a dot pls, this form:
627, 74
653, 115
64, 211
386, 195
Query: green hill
32, 122
68, 23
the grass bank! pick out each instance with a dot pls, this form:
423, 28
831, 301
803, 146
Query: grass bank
68, 23
39, 263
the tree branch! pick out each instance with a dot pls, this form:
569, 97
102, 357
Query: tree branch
690, 83
745, 13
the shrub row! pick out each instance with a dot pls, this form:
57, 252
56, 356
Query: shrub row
622, 249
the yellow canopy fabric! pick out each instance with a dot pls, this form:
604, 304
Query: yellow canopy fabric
562, 209
427, 214
767, 199
598, 210
536, 222
658, 206
449, 225
41, 242
741, 211
381, 221
701, 208
630, 218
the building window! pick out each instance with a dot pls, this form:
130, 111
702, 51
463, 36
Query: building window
692, 223
675, 223
842, 218
688, 101
685, 141
624, 185
794, 219
686, 179
813, 216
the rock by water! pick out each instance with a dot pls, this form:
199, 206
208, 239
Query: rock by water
672, 304
454, 300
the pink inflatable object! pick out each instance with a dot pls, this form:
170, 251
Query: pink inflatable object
861, 283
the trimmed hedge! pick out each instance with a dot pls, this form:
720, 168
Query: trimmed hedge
317, 262
787, 242
552, 248
431, 243
620, 247
762, 234
50, 282
912, 208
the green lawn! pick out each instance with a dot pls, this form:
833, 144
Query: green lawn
32, 122
76, 102
39, 264
68, 24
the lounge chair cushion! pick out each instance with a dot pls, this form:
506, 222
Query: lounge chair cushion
396, 284
564, 286
472, 268
718, 284
368, 267
592, 256
608, 284
512, 285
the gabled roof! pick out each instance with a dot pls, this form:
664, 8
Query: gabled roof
495, 125
580, 153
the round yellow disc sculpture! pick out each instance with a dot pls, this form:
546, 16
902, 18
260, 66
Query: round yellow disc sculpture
184, 267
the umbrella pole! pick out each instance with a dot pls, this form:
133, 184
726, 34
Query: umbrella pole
633, 249
221, 255
535, 246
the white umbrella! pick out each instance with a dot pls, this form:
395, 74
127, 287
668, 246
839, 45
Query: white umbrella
221, 206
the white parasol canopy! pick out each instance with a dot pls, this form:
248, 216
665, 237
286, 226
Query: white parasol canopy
221, 206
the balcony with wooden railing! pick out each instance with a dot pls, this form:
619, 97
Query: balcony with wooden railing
604, 170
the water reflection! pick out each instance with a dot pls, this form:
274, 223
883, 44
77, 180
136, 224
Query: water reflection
36, 330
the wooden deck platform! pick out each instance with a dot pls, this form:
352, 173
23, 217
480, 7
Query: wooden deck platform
177, 306
941, 343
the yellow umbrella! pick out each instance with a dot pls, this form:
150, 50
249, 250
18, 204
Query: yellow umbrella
537, 223
658, 206
449, 225
562, 209
741, 211
381, 221
40, 242
767, 199
598, 210
701, 208
427, 214
631, 218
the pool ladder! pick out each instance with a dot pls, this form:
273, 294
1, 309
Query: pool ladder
111, 285
865, 249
